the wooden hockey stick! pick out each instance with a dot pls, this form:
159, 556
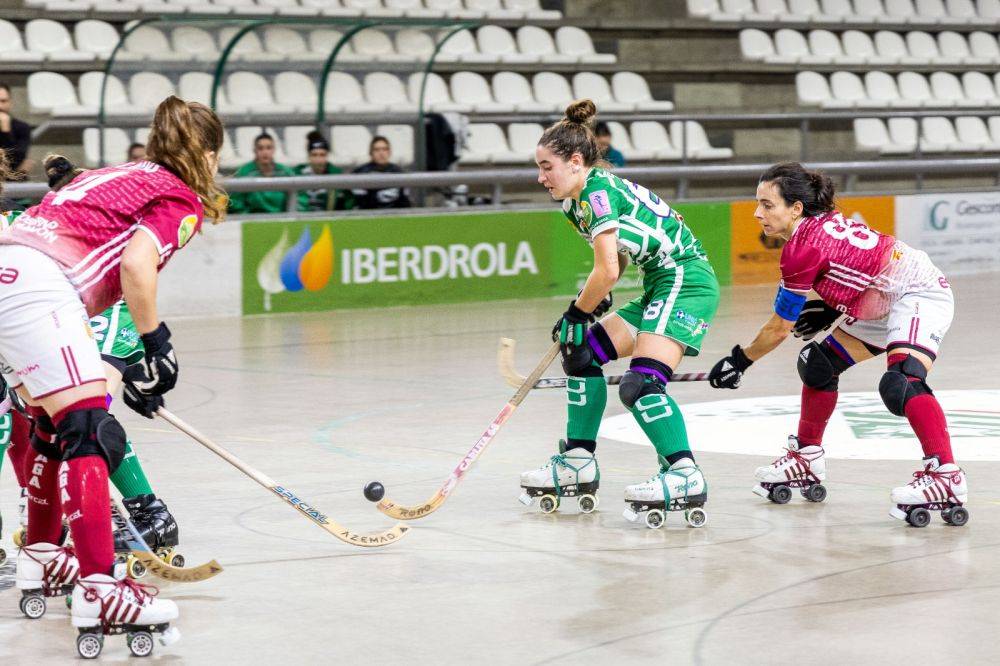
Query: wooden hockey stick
505, 362
152, 563
376, 539
400, 512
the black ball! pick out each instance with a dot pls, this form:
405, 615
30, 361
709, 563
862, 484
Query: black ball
374, 491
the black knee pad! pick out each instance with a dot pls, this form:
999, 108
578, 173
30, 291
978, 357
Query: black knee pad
596, 349
901, 383
89, 432
43, 437
820, 366
645, 376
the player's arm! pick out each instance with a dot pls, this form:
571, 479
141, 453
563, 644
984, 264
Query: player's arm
788, 305
139, 277
607, 269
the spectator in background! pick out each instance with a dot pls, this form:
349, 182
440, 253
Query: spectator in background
15, 136
389, 197
318, 165
612, 156
136, 152
263, 166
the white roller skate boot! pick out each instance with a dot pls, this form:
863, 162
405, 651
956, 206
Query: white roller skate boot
677, 487
802, 467
937, 487
45, 570
572, 473
103, 605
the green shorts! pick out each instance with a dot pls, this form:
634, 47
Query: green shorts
678, 303
117, 336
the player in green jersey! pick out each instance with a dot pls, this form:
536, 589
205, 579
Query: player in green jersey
624, 222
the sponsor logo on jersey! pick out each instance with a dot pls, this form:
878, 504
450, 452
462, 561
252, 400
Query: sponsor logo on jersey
600, 202
186, 229
586, 214
44, 229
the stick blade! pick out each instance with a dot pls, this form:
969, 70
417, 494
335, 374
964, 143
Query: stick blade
161, 569
505, 363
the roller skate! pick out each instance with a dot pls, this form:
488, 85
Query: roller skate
104, 606
803, 467
45, 570
677, 487
22, 513
937, 487
572, 473
153, 522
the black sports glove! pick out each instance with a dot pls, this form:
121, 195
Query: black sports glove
139, 401
728, 372
571, 327
602, 307
816, 316
158, 366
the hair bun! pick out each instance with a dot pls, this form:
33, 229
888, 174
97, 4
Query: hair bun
57, 168
581, 111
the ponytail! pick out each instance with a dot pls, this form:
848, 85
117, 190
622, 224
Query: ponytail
574, 133
181, 134
795, 183
59, 171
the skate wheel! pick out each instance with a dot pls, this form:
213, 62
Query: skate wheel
3, 556
177, 560
140, 643
815, 493
957, 516
548, 503
781, 494
135, 568
696, 517
919, 517
587, 503
655, 519
33, 606
18, 537
89, 646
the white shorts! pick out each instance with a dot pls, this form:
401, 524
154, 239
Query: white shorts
45, 337
916, 321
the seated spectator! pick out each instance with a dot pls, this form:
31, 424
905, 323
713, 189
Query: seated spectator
263, 166
15, 137
136, 152
389, 197
603, 133
318, 165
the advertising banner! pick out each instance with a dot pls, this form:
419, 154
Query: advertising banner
755, 257
960, 232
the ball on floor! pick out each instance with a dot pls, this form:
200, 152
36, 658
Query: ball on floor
374, 491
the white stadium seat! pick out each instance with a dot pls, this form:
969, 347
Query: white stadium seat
994, 124
954, 49
372, 44
296, 143
436, 95
344, 94
870, 11
532, 10
653, 136
288, 8
630, 88
697, 145
824, 44
494, 9
571, 40
11, 46
297, 89
199, 7
290, 45
514, 88
859, 44
523, 138
979, 88
847, 92
810, 9
197, 86
244, 7
372, 8
892, 48
870, 134
622, 141
972, 131
596, 87
841, 10
52, 93
702, 8
414, 44
943, 131
461, 47
471, 88
453, 9
791, 47
756, 44
387, 90
552, 87
401, 140
900, 11
486, 144
499, 43
413, 9
538, 42
734, 11
915, 90
984, 46
333, 8
946, 87
97, 37
116, 101
903, 133
349, 144
812, 88
116, 143
988, 10
882, 87
324, 40
923, 46
936, 12
254, 88
249, 47
965, 10
147, 89
51, 39
149, 43
196, 42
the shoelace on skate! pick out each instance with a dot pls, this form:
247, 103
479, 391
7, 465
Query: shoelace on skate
926, 478
793, 455
140, 591
557, 461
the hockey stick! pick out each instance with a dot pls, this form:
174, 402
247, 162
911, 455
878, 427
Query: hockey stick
400, 512
385, 538
505, 362
152, 563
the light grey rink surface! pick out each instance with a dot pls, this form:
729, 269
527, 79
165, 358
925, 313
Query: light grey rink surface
325, 402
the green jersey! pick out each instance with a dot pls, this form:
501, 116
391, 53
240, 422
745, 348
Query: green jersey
648, 230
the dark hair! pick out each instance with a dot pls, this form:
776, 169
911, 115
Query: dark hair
59, 171
316, 141
6, 87
602, 129
135, 145
376, 139
261, 137
796, 183
573, 134
4, 168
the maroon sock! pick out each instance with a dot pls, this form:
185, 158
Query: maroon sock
44, 504
86, 499
817, 408
20, 446
930, 425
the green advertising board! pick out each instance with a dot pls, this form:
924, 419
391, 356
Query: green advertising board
305, 265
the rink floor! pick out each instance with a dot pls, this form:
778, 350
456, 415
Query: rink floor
325, 402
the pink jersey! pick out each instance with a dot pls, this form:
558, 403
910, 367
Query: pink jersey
851, 266
86, 225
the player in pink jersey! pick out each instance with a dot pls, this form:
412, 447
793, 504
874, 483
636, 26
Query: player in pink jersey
102, 237
895, 301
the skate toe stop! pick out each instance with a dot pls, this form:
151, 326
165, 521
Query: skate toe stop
759, 490
630, 515
897, 513
170, 636
524, 499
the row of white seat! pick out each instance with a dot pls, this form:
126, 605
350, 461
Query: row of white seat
899, 136
47, 40
486, 143
854, 47
470, 9
378, 92
847, 90
922, 12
